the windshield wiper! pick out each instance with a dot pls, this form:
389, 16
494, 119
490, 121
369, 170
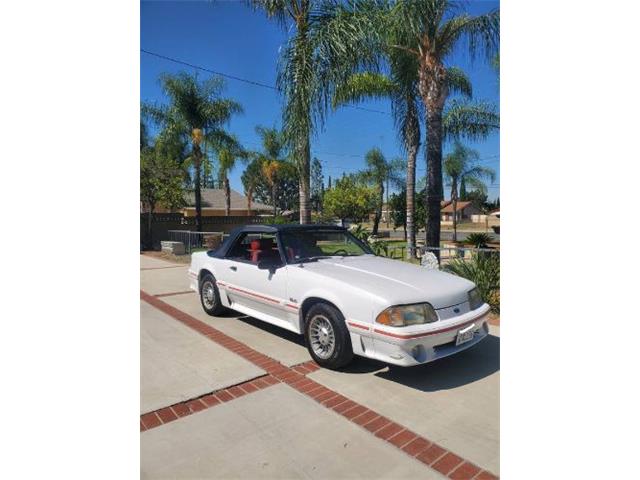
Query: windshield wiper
313, 259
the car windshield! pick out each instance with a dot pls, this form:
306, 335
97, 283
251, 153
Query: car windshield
305, 245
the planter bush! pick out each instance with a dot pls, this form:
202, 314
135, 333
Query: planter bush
483, 269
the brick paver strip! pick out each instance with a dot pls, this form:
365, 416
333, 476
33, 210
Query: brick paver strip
466, 470
448, 463
208, 400
429, 453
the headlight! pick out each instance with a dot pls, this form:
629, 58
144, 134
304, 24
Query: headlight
475, 300
404, 315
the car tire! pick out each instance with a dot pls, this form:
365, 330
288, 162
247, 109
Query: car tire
327, 337
210, 295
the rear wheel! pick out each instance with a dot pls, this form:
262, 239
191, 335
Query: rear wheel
327, 337
210, 295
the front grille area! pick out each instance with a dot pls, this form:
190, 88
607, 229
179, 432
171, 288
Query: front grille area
449, 312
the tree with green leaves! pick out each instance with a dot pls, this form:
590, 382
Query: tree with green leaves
287, 191
268, 164
377, 172
197, 113
161, 174
426, 32
349, 199
227, 159
461, 169
298, 82
398, 210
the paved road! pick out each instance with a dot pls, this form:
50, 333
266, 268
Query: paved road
281, 431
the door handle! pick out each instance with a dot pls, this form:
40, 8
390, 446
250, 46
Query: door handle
234, 268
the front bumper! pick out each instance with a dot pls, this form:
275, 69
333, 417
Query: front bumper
426, 343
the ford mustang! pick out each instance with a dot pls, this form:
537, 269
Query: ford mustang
324, 283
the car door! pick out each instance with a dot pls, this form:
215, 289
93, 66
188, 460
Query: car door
260, 293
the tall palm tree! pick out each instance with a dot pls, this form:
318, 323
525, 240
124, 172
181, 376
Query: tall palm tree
270, 169
401, 86
376, 173
196, 112
427, 31
297, 80
461, 169
274, 152
227, 159
430, 30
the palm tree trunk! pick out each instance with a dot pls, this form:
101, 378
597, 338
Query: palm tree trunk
434, 177
274, 186
249, 194
410, 232
305, 172
227, 196
197, 164
454, 205
378, 215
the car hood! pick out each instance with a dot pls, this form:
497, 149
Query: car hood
394, 282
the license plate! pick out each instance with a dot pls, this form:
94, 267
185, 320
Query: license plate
466, 334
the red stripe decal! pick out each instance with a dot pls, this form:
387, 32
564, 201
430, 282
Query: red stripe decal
290, 305
358, 326
268, 299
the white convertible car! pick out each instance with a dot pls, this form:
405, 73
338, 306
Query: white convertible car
322, 282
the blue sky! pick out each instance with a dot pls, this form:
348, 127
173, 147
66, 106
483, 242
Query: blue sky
227, 36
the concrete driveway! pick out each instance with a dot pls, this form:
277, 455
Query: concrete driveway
232, 397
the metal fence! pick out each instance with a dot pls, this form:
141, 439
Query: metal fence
194, 240
446, 254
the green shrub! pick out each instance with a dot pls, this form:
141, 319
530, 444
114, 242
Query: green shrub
379, 247
483, 269
478, 240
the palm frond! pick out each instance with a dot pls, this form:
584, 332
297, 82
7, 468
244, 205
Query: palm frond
363, 86
470, 120
458, 82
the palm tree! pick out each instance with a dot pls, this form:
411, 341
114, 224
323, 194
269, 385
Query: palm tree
430, 30
227, 159
297, 80
249, 180
274, 150
461, 170
270, 170
196, 112
427, 31
401, 86
376, 173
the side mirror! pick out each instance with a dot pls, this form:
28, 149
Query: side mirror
269, 264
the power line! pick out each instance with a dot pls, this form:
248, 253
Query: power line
239, 79
271, 87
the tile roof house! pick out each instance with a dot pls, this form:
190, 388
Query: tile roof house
464, 210
213, 204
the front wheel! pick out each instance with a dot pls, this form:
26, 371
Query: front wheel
210, 295
327, 337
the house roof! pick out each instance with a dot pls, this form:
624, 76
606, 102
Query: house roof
448, 206
214, 198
